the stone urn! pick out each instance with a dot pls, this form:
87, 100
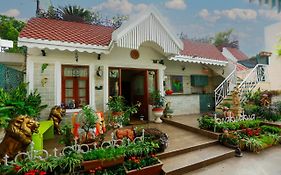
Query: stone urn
158, 113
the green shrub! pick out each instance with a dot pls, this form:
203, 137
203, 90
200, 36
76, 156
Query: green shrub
250, 109
206, 122
105, 154
271, 129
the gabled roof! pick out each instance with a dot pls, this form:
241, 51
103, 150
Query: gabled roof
239, 55
148, 26
198, 52
65, 33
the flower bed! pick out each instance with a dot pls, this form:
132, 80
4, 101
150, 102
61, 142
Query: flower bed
143, 165
253, 140
209, 123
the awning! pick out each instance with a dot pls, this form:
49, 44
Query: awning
199, 60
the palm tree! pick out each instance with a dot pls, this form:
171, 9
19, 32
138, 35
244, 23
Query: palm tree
75, 13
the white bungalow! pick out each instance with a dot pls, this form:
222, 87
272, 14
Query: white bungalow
75, 63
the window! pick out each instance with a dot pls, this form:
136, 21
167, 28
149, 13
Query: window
177, 84
75, 86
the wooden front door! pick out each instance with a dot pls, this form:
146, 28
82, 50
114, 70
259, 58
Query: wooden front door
133, 84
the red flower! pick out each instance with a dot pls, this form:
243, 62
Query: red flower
42, 173
17, 168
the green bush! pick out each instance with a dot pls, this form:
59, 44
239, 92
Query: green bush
104, 154
271, 129
250, 109
206, 122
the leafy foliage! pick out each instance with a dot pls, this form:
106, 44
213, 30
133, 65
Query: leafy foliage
105, 153
67, 135
271, 129
157, 99
9, 29
140, 162
87, 118
208, 123
224, 39
79, 14
18, 102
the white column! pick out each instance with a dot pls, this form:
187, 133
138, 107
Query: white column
161, 80
57, 82
105, 86
30, 74
92, 97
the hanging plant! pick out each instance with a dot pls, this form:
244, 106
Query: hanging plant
43, 67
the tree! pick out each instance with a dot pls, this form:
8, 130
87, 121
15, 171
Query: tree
75, 13
9, 29
79, 14
223, 39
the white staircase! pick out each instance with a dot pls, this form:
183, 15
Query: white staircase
223, 91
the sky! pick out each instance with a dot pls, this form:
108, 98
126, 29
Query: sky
194, 18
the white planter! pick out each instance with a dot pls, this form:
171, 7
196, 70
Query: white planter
157, 115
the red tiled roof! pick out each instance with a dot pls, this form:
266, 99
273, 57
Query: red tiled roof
237, 53
204, 50
58, 30
240, 67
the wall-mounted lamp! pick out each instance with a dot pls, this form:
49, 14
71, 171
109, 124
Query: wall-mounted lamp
43, 53
161, 62
155, 61
76, 56
99, 72
99, 56
183, 68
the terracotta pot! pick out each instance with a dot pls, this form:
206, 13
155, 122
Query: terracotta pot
153, 169
169, 92
92, 164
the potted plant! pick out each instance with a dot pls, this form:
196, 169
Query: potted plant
116, 105
103, 157
18, 113
169, 92
149, 164
158, 102
87, 119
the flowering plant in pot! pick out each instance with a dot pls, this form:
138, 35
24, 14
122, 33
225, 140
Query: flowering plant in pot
158, 102
149, 164
169, 92
116, 105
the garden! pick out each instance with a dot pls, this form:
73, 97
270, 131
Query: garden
91, 143
252, 130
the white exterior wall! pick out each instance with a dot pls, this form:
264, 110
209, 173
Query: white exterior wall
272, 36
175, 68
188, 102
118, 57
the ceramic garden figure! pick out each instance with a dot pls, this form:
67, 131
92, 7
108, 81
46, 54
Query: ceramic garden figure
18, 136
56, 115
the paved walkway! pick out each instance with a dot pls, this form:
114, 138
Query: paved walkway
265, 163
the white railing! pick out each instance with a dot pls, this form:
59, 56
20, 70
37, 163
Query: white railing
225, 87
257, 74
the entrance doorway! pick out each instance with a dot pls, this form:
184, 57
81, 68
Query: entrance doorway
135, 85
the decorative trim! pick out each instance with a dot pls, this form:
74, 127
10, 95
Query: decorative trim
147, 27
70, 46
199, 60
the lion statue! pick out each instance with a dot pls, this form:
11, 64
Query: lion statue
125, 133
18, 136
56, 114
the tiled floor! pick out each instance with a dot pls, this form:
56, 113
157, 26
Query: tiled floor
178, 138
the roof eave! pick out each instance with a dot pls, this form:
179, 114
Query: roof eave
60, 45
199, 60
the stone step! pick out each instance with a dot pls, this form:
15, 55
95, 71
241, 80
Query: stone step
190, 161
194, 129
187, 149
